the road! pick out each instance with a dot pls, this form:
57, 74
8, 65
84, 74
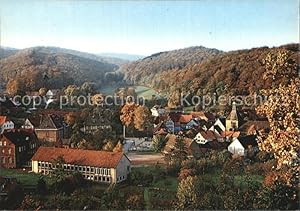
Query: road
142, 159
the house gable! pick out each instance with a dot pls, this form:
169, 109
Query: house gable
236, 147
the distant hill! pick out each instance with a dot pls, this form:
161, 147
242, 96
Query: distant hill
37, 67
128, 57
145, 71
202, 70
5, 52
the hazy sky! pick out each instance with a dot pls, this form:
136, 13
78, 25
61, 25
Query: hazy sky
146, 27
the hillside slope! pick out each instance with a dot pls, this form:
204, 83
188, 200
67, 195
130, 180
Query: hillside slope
239, 72
34, 68
6, 52
144, 71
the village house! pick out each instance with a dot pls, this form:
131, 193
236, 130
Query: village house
31, 122
97, 120
184, 119
206, 116
17, 147
170, 126
6, 124
7, 106
54, 93
200, 149
203, 137
102, 166
228, 136
91, 126
49, 127
157, 111
219, 126
243, 145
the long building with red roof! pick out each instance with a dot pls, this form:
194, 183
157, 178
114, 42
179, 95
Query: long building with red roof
102, 166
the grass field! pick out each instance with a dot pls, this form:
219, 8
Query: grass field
145, 92
161, 188
109, 90
27, 179
141, 91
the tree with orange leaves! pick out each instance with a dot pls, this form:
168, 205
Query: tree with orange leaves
282, 108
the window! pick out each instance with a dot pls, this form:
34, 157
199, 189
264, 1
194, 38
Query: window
79, 168
3, 159
3, 151
39, 163
88, 169
10, 160
4, 143
108, 171
92, 169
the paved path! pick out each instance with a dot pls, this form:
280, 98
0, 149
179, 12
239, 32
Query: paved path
139, 158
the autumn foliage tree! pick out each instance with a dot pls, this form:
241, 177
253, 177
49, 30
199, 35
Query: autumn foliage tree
135, 115
127, 114
142, 118
118, 147
282, 108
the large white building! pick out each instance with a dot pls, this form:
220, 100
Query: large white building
102, 166
241, 146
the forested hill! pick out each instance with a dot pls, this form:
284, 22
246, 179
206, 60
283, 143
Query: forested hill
145, 71
33, 68
204, 70
5, 52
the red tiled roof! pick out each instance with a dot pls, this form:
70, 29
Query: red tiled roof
18, 136
203, 115
185, 118
210, 135
3, 119
233, 134
79, 156
175, 117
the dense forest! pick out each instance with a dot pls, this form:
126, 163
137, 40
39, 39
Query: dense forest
200, 70
145, 71
33, 68
194, 70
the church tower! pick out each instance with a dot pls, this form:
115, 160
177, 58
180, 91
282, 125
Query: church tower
232, 121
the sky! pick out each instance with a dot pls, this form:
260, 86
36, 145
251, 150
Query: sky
147, 27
